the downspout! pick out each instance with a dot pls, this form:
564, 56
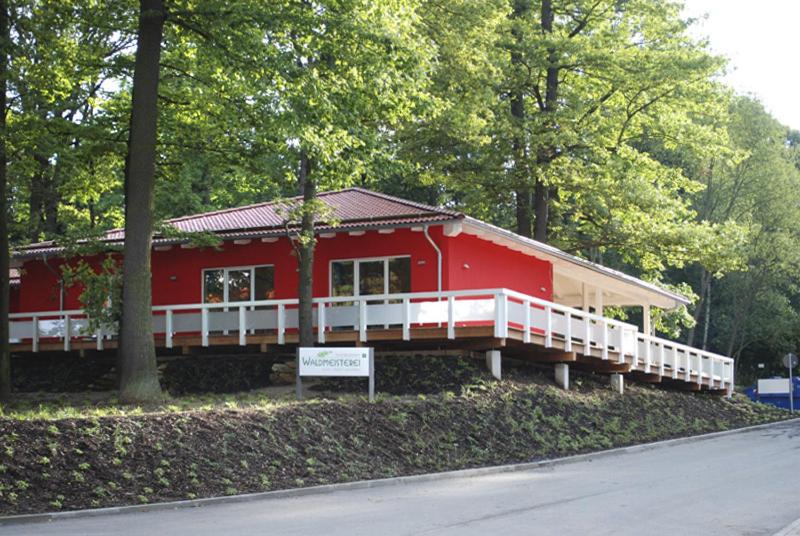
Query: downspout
438, 260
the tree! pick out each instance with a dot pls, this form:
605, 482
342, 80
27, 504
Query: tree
5, 350
137, 358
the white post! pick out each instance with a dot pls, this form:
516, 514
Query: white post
281, 323
646, 320
587, 336
321, 322
618, 383
661, 357
562, 375
406, 319
494, 363
548, 330
674, 362
99, 336
67, 332
204, 326
585, 296
362, 320
242, 326
598, 302
169, 328
500, 316
526, 337
35, 338
451, 324
568, 332
605, 339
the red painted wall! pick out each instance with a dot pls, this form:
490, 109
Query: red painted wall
476, 263
177, 272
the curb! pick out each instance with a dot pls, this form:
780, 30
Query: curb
383, 482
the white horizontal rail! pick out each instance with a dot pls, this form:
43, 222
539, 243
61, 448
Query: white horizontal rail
502, 308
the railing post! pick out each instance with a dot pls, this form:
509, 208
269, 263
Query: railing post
67, 332
35, 338
281, 323
204, 326
99, 336
321, 322
568, 332
500, 315
661, 358
699, 369
526, 336
548, 329
362, 320
674, 362
587, 336
168, 328
605, 339
688, 377
451, 324
406, 319
648, 355
242, 326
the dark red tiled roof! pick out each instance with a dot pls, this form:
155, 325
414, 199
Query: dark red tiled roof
351, 208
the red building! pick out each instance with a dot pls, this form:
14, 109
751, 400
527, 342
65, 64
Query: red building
433, 276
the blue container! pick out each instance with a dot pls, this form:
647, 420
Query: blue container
777, 400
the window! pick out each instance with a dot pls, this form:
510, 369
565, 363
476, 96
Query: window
238, 284
390, 275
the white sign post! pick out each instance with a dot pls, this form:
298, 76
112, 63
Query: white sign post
790, 361
348, 362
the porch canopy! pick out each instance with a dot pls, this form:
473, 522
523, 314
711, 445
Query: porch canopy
576, 281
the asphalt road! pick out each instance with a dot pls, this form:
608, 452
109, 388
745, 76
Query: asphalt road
746, 483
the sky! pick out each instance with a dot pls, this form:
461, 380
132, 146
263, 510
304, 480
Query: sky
761, 39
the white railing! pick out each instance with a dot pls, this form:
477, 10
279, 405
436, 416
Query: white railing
539, 320
656, 354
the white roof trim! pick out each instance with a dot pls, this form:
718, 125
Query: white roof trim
577, 268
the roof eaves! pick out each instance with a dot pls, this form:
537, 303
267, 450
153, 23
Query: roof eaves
554, 251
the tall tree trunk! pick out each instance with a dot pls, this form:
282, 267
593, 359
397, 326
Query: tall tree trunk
707, 321
305, 291
5, 350
36, 199
705, 280
543, 193
137, 357
521, 171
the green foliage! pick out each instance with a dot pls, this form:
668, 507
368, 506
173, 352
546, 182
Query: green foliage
101, 291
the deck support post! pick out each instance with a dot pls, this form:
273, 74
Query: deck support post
729, 391
494, 363
562, 375
617, 383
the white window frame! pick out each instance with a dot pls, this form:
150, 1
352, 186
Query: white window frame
225, 270
357, 273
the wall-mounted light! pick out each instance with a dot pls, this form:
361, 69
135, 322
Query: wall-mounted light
173, 278
466, 266
421, 262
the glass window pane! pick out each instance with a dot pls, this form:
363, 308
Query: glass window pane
213, 286
239, 285
370, 275
265, 283
400, 275
342, 278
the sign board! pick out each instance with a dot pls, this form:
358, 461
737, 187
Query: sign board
775, 386
348, 362
334, 361
790, 360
